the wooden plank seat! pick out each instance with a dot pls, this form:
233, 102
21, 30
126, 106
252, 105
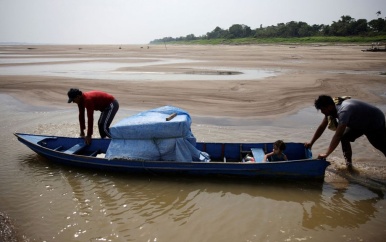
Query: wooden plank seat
258, 154
95, 153
75, 149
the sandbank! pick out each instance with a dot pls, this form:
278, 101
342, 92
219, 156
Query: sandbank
301, 73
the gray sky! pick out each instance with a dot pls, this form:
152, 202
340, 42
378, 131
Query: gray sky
141, 21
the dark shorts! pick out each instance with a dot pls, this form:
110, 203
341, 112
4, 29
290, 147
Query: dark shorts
376, 137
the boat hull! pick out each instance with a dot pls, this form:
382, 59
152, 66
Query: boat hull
305, 168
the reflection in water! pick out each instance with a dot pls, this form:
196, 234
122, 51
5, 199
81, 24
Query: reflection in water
125, 198
341, 209
129, 206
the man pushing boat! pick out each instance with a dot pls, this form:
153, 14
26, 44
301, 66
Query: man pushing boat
350, 119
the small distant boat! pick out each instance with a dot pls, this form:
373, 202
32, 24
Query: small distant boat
226, 159
377, 47
374, 50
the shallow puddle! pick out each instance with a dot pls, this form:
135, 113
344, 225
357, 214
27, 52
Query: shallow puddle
109, 69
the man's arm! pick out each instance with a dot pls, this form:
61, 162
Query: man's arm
90, 121
334, 141
81, 120
319, 131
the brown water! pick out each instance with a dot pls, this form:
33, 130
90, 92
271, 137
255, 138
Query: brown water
49, 202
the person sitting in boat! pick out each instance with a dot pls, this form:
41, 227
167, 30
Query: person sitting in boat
92, 101
277, 152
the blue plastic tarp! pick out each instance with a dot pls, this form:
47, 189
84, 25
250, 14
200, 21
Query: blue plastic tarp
149, 136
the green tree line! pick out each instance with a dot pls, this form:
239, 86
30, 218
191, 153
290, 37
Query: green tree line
346, 26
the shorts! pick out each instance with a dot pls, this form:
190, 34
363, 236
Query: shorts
376, 137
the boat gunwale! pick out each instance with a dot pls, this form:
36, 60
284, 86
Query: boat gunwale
212, 169
18, 135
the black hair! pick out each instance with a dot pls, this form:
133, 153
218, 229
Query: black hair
280, 145
74, 92
323, 101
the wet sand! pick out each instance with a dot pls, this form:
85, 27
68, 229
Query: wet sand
301, 74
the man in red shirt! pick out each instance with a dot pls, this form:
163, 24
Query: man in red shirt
92, 101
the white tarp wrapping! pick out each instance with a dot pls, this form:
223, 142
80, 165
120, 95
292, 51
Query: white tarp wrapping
149, 136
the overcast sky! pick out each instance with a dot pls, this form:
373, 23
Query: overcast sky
141, 21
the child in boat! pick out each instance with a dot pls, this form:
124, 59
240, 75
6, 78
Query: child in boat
277, 152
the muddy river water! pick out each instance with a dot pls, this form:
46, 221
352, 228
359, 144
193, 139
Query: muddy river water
55, 203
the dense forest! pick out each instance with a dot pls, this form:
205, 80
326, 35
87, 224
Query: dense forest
346, 26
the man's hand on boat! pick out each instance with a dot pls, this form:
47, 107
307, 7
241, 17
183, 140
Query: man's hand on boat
322, 156
308, 145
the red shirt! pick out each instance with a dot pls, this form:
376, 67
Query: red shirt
93, 100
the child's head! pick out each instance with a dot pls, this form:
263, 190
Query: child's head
279, 145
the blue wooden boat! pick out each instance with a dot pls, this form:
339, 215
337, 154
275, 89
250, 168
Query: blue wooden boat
226, 159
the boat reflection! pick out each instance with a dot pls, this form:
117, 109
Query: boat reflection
124, 198
345, 207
